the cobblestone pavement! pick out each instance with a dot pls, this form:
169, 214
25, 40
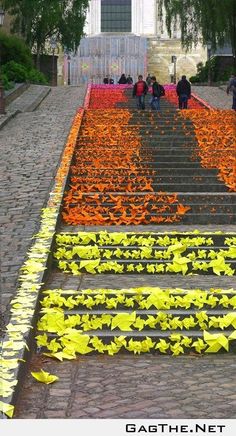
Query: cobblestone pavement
31, 146
132, 387
213, 95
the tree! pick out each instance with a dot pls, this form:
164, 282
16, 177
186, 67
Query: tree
202, 21
39, 20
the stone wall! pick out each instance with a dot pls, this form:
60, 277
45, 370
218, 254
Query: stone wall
108, 54
159, 53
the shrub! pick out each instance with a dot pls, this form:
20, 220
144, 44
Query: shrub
14, 48
216, 74
194, 79
19, 73
6, 84
35, 76
15, 72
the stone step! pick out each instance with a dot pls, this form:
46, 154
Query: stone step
139, 155
206, 178
153, 136
188, 219
108, 174
198, 198
147, 145
181, 158
218, 238
151, 124
112, 185
179, 186
211, 209
182, 313
145, 262
108, 336
141, 115
198, 250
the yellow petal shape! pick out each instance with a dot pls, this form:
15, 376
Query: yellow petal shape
44, 377
7, 409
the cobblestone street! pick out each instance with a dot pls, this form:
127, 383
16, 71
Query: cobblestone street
31, 145
133, 387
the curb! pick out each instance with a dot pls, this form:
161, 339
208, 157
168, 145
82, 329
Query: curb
16, 93
9, 118
203, 102
33, 106
17, 342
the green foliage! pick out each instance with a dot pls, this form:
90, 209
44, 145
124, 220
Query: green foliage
13, 48
5, 81
15, 72
35, 76
202, 21
19, 73
39, 20
217, 75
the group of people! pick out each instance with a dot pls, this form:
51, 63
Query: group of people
183, 90
142, 87
123, 80
108, 80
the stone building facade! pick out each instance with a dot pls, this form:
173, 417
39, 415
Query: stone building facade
126, 36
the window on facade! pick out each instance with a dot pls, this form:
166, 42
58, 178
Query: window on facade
115, 15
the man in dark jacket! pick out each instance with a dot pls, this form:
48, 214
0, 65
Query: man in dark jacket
139, 91
183, 90
129, 80
157, 92
122, 80
232, 87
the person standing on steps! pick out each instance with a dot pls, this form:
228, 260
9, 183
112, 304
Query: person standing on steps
148, 80
157, 92
129, 80
122, 80
183, 90
232, 87
140, 89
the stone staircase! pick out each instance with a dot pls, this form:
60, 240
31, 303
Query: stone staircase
168, 157
153, 253
166, 292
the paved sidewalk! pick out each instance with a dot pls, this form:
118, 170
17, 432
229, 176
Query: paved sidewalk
127, 386
30, 99
213, 95
31, 146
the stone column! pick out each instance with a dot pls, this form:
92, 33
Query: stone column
144, 17
136, 17
94, 18
148, 17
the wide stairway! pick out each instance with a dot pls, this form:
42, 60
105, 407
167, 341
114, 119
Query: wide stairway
143, 167
138, 289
